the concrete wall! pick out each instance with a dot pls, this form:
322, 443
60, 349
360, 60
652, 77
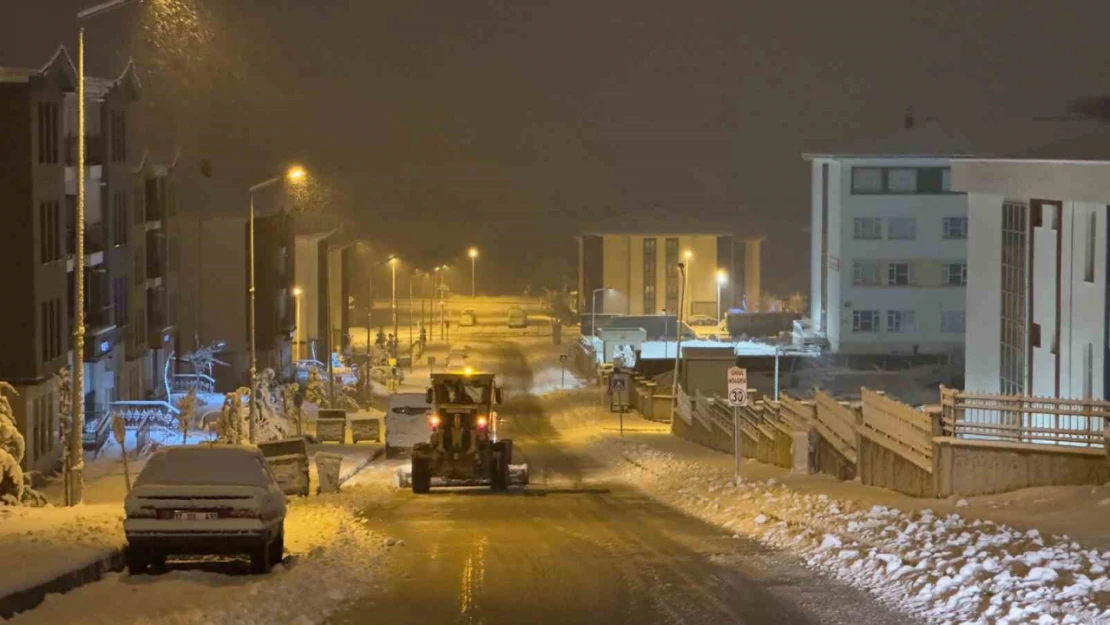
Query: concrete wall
984, 274
879, 466
984, 467
831, 462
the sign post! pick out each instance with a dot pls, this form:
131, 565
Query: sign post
563, 371
618, 393
737, 398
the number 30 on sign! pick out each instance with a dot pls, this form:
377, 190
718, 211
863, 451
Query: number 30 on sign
737, 386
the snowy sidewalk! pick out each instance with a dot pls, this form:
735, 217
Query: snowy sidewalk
1024, 557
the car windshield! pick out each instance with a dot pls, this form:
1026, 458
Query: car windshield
205, 466
462, 392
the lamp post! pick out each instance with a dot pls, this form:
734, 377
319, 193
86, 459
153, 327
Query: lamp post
295, 174
393, 264
593, 310
297, 319
678, 340
473, 254
370, 300
722, 279
75, 454
687, 256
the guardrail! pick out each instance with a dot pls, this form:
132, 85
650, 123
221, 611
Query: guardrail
898, 427
1024, 419
184, 382
146, 418
95, 435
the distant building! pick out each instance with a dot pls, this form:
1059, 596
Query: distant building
888, 261
1038, 267
637, 273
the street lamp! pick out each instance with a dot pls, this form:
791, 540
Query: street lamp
593, 309
295, 175
688, 256
393, 265
297, 319
722, 279
473, 254
76, 481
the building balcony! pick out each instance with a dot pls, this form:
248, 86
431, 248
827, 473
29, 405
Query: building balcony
95, 151
100, 341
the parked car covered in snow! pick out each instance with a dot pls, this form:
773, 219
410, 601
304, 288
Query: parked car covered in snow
205, 499
517, 317
468, 318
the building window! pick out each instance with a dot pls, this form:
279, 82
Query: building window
867, 180
865, 273
119, 137
1015, 252
952, 321
49, 241
955, 274
119, 218
899, 321
867, 228
865, 321
48, 133
649, 275
1089, 258
898, 274
901, 228
954, 228
671, 257
901, 180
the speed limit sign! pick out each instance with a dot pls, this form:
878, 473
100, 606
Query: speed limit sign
737, 386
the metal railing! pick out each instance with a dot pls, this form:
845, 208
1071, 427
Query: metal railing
185, 382
146, 419
1024, 419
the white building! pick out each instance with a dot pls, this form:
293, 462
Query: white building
637, 273
1037, 268
888, 252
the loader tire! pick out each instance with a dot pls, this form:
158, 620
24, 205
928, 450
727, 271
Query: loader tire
499, 469
421, 476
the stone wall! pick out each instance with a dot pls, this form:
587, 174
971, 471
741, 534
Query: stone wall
977, 467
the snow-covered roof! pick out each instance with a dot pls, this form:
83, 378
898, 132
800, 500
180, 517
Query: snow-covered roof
59, 64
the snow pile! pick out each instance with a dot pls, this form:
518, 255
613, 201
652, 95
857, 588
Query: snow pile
942, 568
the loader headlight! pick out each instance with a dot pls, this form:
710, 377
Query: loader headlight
434, 420
482, 423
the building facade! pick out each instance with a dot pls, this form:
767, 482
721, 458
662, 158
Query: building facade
1037, 269
888, 269
637, 274
35, 338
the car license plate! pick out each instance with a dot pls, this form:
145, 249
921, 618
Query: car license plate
182, 515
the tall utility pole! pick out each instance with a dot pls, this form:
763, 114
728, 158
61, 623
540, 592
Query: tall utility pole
393, 264
678, 341
410, 324
369, 309
473, 254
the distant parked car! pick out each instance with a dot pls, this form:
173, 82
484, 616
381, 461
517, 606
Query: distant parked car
517, 317
708, 328
468, 318
205, 499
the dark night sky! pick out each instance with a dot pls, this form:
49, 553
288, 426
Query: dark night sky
508, 124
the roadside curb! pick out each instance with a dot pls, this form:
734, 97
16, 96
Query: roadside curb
30, 598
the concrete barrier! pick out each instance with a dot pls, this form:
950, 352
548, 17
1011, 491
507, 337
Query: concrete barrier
879, 466
981, 467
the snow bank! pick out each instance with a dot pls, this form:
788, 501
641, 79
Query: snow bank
946, 569
331, 558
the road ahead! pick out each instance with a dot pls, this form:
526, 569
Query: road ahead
570, 549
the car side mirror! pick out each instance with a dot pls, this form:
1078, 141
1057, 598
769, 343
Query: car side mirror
498, 395
428, 396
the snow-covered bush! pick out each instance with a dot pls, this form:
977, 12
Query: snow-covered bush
232, 427
289, 405
272, 424
186, 406
314, 391
12, 448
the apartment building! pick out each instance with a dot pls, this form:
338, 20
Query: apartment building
35, 338
636, 273
888, 272
1038, 267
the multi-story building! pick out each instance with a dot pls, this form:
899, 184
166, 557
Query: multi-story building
637, 273
1038, 268
110, 235
214, 292
34, 339
888, 244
